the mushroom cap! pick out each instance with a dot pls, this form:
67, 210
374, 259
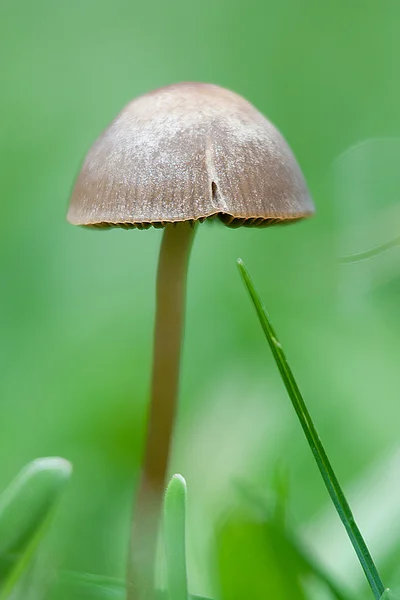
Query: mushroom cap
187, 152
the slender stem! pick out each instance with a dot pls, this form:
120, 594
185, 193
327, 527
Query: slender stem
324, 465
170, 309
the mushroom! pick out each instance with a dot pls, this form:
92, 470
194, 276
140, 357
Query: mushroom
171, 159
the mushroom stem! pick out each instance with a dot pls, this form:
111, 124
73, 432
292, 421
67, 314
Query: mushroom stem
170, 312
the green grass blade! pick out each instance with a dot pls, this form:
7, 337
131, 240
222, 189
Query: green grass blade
371, 252
26, 507
388, 595
282, 563
175, 543
100, 586
326, 470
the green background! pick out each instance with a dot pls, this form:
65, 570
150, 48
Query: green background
76, 306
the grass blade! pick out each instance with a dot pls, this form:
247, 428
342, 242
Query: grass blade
326, 470
175, 543
371, 252
26, 507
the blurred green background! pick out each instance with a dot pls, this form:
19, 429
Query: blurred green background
76, 306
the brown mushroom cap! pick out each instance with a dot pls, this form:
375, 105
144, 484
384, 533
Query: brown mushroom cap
187, 152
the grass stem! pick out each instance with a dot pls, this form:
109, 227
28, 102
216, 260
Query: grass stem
321, 458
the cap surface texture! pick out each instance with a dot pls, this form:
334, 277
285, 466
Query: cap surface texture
187, 152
